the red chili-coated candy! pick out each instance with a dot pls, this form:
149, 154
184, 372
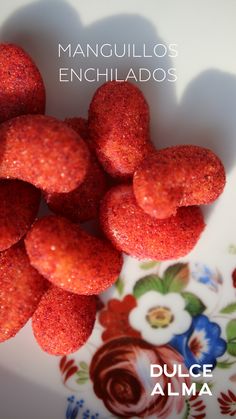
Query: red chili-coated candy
63, 321
21, 86
71, 258
133, 231
80, 125
119, 127
81, 204
178, 176
43, 151
19, 203
21, 288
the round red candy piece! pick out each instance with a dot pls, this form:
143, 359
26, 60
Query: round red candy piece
138, 234
80, 125
43, 151
63, 321
22, 89
18, 209
21, 288
119, 127
71, 258
81, 204
178, 176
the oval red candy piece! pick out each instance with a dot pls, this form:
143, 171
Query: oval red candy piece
119, 127
63, 321
81, 204
134, 232
22, 89
21, 288
19, 206
71, 258
80, 125
43, 151
178, 176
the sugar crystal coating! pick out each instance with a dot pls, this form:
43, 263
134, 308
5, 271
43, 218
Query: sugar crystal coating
19, 206
71, 258
178, 176
22, 89
119, 127
43, 151
21, 288
81, 204
138, 234
63, 321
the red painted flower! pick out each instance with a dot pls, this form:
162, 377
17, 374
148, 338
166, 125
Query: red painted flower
196, 408
234, 278
68, 368
120, 371
227, 402
115, 318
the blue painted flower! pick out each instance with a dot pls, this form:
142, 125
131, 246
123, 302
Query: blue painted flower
201, 344
76, 409
73, 407
212, 279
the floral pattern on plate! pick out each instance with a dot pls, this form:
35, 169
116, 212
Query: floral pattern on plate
162, 319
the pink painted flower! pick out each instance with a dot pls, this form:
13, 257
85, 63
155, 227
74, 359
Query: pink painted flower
120, 371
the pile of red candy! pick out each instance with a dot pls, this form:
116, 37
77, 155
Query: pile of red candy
146, 200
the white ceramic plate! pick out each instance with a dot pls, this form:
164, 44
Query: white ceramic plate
200, 303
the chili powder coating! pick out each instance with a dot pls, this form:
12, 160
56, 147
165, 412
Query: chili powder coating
19, 206
21, 288
81, 204
43, 151
134, 232
80, 125
119, 127
71, 258
178, 176
22, 89
63, 321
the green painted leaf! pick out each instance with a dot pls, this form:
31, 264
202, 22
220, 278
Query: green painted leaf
187, 410
231, 331
149, 265
82, 374
231, 348
230, 308
225, 364
81, 380
176, 277
83, 366
194, 305
231, 337
120, 285
199, 384
232, 249
148, 283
